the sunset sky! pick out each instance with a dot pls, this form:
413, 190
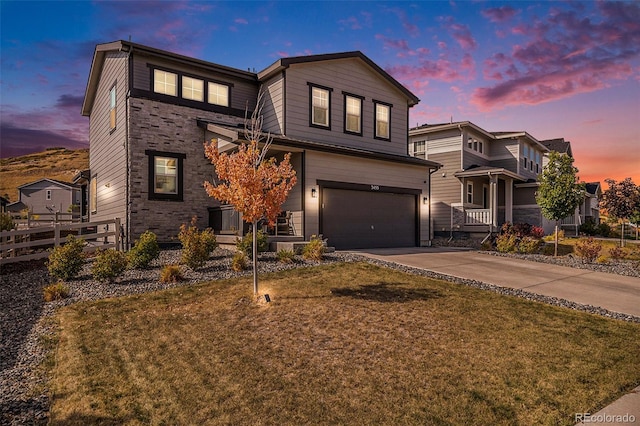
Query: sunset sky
553, 69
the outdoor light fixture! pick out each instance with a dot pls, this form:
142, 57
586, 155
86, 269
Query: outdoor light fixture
425, 200
314, 193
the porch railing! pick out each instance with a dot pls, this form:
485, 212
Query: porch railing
477, 217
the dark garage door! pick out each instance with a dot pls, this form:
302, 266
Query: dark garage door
362, 219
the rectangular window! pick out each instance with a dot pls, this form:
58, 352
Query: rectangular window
480, 147
353, 114
470, 192
383, 115
218, 94
48, 194
320, 101
165, 175
93, 195
470, 143
192, 88
525, 155
112, 108
165, 82
419, 149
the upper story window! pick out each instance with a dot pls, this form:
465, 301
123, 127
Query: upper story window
353, 114
48, 194
112, 108
475, 145
320, 111
420, 149
538, 161
165, 82
165, 175
192, 88
218, 94
383, 120
525, 155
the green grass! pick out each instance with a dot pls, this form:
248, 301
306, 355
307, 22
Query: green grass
567, 246
340, 344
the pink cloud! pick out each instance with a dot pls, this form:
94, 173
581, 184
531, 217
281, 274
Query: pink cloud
499, 14
563, 55
241, 21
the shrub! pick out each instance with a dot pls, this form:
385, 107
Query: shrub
286, 256
314, 250
536, 232
552, 236
506, 243
6, 222
240, 261
528, 245
55, 291
602, 260
144, 251
196, 245
171, 274
65, 261
245, 244
108, 265
588, 249
617, 253
604, 230
589, 227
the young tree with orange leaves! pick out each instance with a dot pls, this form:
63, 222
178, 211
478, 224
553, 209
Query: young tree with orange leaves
254, 185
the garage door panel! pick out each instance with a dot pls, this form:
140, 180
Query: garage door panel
362, 219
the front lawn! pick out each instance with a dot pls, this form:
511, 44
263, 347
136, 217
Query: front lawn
338, 344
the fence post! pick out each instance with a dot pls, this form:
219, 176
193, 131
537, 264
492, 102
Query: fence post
117, 233
56, 234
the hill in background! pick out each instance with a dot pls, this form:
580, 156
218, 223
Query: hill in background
53, 163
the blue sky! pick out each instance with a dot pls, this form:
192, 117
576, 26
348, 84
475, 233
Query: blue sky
553, 69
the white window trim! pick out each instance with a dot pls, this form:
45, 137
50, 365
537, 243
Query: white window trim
469, 193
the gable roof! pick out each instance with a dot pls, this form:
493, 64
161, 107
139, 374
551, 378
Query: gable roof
592, 188
284, 63
54, 181
558, 145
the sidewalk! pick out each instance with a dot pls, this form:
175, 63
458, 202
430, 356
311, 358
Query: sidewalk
612, 292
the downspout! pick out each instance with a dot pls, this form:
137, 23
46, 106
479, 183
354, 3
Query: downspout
491, 195
431, 172
126, 241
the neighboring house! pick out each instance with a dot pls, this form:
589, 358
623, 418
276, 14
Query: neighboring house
3, 204
47, 196
82, 179
486, 179
589, 209
343, 118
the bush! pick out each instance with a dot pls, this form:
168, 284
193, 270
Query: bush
245, 244
108, 265
171, 274
589, 227
144, 251
196, 245
65, 261
240, 261
617, 253
528, 245
314, 250
6, 222
506, 243
604, 230
588, 249
552, 236
602, 260
55, 291
286, 256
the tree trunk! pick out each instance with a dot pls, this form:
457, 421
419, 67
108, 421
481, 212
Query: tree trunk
255, 256
622, 234
555, 249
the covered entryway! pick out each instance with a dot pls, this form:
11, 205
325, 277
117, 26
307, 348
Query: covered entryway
374, 218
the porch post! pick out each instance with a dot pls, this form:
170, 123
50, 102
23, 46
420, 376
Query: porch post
508, 200
494, 201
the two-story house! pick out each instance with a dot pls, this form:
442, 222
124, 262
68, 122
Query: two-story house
47, 196
343, 118
486, 179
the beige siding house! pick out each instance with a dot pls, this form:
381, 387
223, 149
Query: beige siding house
343, 118
486, 179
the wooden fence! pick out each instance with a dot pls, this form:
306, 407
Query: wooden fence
35, 243
33, 219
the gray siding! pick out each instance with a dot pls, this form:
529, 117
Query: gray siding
35, 197
445, 189
107, 156
353, 76
273, 110
323, 166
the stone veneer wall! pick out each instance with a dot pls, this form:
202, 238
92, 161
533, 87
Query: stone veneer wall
164, 127
530, 215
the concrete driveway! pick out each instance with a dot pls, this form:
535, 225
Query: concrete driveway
612, 292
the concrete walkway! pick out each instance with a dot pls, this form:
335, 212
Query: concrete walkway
612, 292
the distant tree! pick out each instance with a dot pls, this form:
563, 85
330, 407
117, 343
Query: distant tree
559, 192
622, 201
254, 185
